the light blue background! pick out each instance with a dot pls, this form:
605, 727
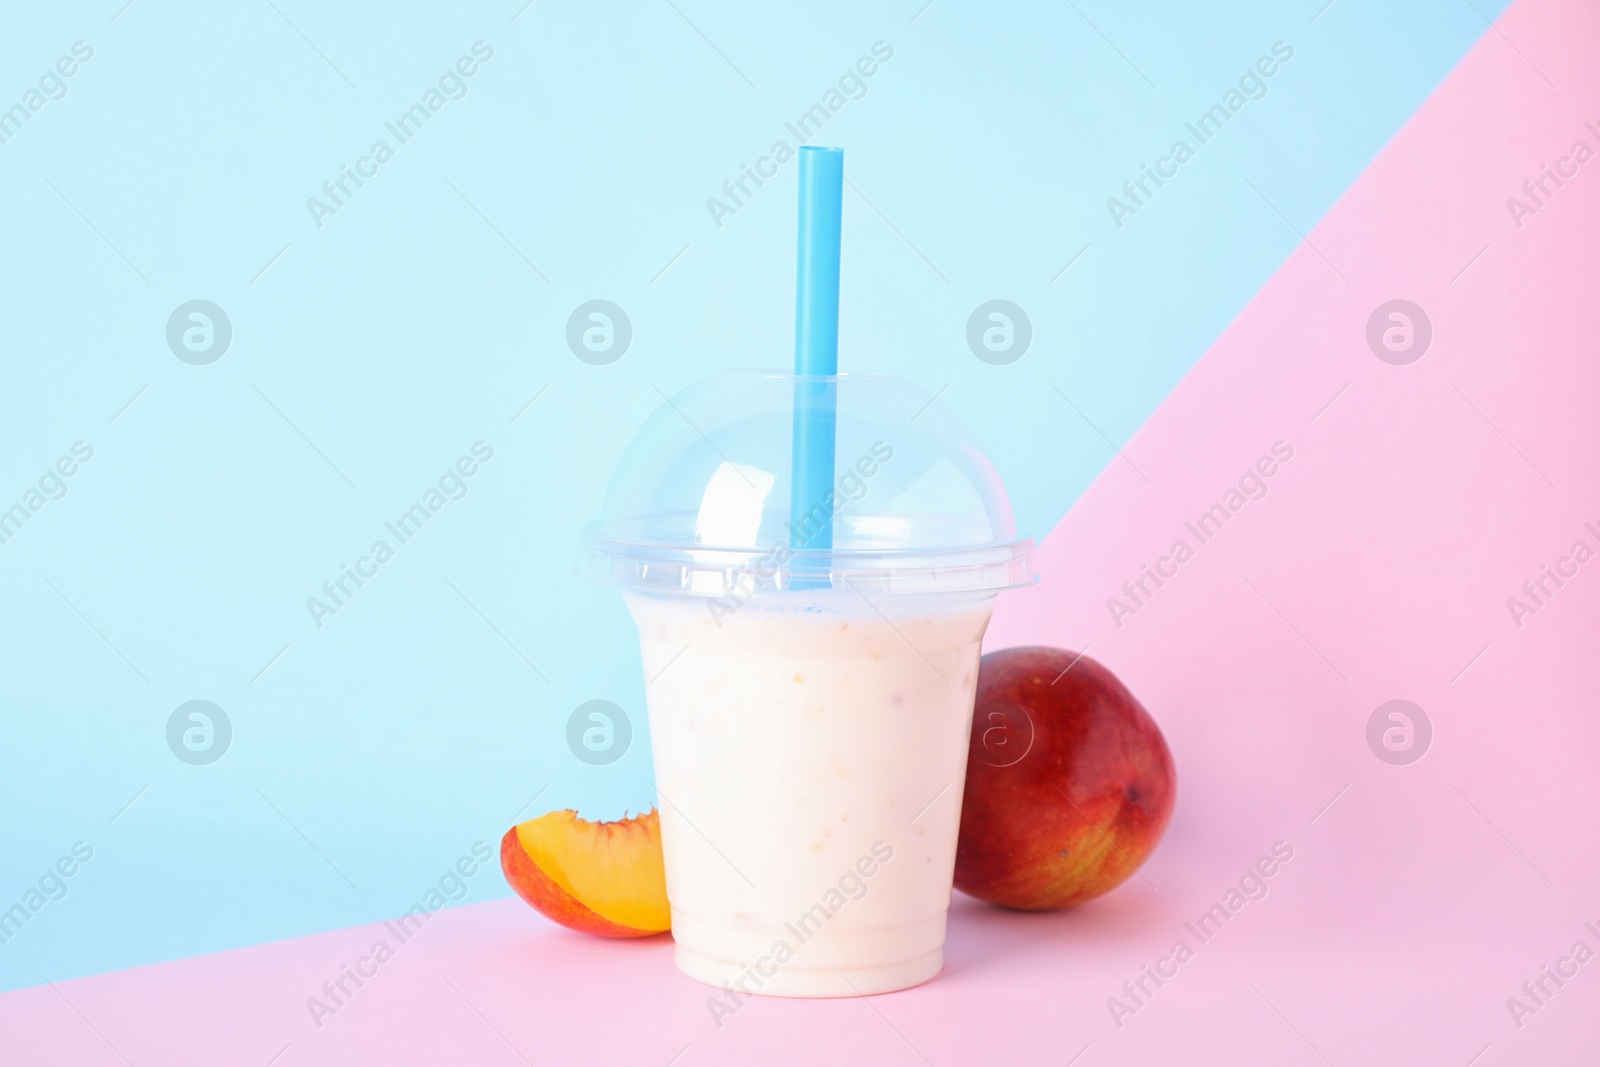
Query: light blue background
377, 749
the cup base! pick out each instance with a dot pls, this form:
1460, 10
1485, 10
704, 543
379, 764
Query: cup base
816, 983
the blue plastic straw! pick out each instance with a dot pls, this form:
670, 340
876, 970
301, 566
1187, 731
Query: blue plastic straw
816, 352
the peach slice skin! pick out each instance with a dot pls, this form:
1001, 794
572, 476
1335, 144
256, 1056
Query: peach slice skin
558, 860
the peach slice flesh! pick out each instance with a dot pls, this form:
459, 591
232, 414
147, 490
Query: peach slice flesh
602, 878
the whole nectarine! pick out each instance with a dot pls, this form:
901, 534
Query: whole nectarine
1069, 782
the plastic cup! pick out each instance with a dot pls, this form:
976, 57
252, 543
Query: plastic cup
809, 734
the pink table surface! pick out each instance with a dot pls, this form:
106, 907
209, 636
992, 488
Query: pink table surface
1379, 565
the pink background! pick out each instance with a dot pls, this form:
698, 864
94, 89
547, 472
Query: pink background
1419, 498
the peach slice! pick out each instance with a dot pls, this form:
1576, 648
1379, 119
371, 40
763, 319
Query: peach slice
603, 878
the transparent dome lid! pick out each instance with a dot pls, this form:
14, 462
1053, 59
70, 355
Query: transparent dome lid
703, 502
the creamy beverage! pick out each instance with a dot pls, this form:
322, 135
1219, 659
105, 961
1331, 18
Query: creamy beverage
809, 756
